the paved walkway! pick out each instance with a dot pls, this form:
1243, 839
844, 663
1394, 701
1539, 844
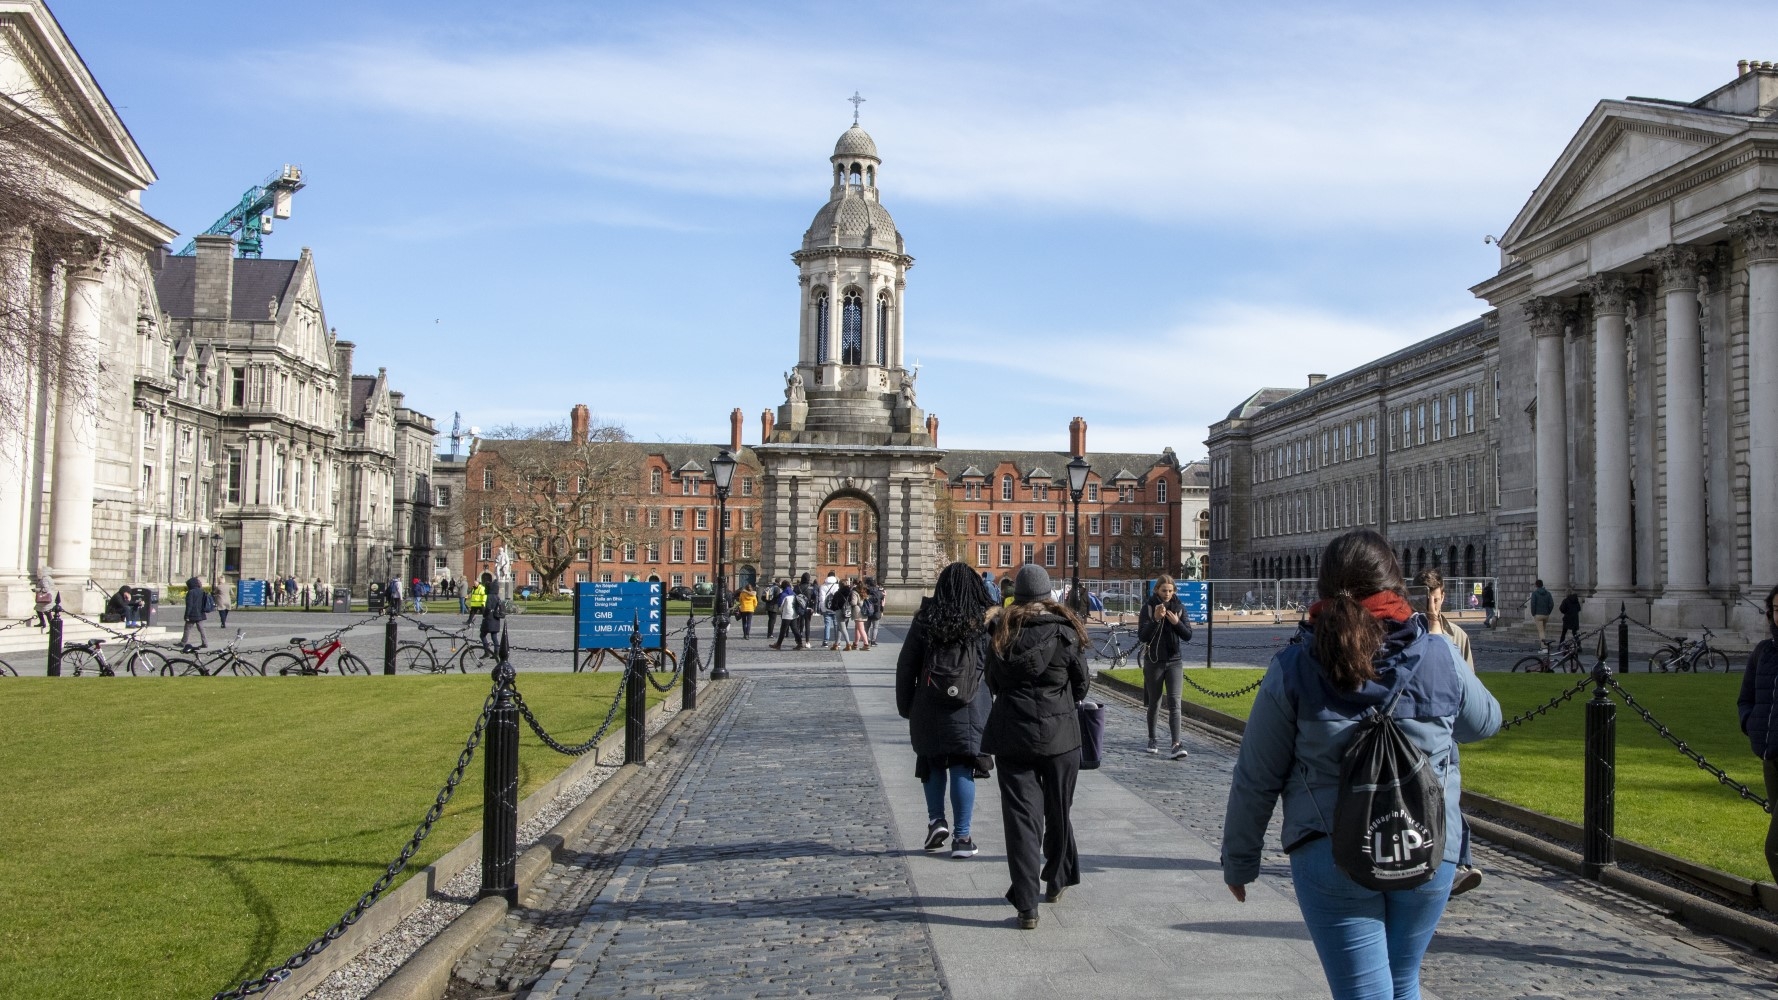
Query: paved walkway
781, 857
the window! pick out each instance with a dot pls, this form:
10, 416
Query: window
1323, 447
1438, 423
487, 479
688, 486
1372, 422
1451, 489
1160, 524
728, 519
184, 494
629, 515
653, 552
441, 495
1006, 487
654, 517
700, 548
606, 553
852, 329
746, 486
852, 522
234, 476
1469, 491
1420, 492
1028, 525
1049, 524
981, 524
629, 552
1049, 554
1006, 554
1469, 411
1092, 557
1160, 491
1407, 428
512, 517
702, 518
981, 554
1358, 435
833, 521
1451, 409
656, 480
487, 517
1117, 556
1092, 493
747, 520
1027, 553
677, 518
1093, 524
833, 553
1006, 524
1420, 424
1117, 524
822, 328
487, 551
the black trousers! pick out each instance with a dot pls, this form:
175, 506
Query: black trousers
790, 628
1158, 679
1771, 769
1035, 799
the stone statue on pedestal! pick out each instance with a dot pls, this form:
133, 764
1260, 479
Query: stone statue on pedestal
793, 386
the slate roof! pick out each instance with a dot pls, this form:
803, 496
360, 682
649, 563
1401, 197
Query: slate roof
677, 454
257, 282
1105, 464
362, 387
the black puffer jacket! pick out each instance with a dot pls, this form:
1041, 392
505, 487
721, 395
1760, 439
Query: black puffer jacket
1758, 701
938, 730
198, 604
1036, 686
1161, 639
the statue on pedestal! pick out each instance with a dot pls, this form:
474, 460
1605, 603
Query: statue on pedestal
907, 387
793, 386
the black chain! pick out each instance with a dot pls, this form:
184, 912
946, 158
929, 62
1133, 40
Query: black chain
579, 748
1685, 748
279, 973
1649, 628
1223, 694
1523, 717
678, 668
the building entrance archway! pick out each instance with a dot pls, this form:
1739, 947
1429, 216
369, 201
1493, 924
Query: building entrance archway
848, 535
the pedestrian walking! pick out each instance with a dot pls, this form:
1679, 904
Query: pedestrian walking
745, 603
769, 603
830, 612
392, 599
1163, 631
790, 618
805, 611
1489, 614
198, 606
874, 610
993, 589
1542, 603
947, 643
1362, 647
493, 616
1468, 876
1570, 609
219, 595
478, 603
860, 606
1038, 676
41, 601
1758, 706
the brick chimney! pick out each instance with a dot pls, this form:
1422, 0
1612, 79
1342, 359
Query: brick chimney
766, 425
735, 420
214, 288
1077, 437
932, 428
578, 420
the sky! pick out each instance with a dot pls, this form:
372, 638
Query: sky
1136, 213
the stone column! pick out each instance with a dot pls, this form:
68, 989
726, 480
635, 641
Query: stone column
1611, 437
1546, 322
901, 311
1684, 400
1758, 232
831, 335
871, 333
77, 440
15, 586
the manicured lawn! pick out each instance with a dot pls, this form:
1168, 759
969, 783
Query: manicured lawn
1663, 799
170, 837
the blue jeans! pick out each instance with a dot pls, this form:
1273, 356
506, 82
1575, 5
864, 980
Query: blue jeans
829, 628
962, 780
1370, 943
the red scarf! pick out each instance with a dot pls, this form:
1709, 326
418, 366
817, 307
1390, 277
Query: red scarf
1384, 605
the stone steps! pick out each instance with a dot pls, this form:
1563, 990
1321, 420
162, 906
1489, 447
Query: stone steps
26, 638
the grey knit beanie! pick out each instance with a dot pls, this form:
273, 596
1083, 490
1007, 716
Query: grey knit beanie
1031, 583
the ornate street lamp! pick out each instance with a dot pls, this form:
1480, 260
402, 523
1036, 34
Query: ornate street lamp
1077, 484
723, 471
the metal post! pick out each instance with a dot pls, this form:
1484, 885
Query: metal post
719, 659
390, 641
688, 666
1623, 639
500, 792
1599, 810
1076, 599
636, 701
1209, 623
55, 637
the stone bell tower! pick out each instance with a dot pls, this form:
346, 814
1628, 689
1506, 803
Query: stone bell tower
850, 426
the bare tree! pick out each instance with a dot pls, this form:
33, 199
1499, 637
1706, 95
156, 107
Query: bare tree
556, 500
949, 540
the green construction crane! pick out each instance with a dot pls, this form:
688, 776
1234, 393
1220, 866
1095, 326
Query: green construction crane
252, 218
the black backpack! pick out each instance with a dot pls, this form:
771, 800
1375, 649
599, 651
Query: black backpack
1389, 822
836, 601
953, 673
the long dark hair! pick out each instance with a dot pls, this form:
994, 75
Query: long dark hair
959, 605
1011, 621
1355, 565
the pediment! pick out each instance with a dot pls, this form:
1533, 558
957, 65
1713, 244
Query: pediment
43, 78
1620, 147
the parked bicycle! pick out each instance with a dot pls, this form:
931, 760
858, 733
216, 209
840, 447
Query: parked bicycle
658, 660
314, 657
1116, 644
1691, 655
438, 654
6, 670
1564, 657
88, 659
203, 664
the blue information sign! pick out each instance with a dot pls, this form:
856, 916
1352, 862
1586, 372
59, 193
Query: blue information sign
606, 614
1192, 594
250, 594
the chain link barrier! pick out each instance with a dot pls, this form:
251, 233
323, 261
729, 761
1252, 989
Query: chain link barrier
1683, 747
578, 749
279, 973
1223, 694
1568, 693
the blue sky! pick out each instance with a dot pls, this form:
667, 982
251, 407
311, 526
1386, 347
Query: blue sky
1133, 212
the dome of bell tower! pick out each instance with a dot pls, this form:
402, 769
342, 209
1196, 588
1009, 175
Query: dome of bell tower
854, 216
855, 141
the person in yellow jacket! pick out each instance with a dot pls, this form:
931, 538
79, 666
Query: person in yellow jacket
746, 602
478, 603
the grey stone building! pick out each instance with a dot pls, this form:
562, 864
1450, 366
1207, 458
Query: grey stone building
1406, 444
1638, 311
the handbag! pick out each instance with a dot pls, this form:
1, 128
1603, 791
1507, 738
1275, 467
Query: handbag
1092, 734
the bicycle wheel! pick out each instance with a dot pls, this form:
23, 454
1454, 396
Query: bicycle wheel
242, 667
351, 664
474, 657
412, 656
6, 670
183, 668
1714, 659
81, 663
146, 662
661, 661
1531, 665
285, 664
1661, 658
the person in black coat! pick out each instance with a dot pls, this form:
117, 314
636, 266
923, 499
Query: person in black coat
1163, 630
1038, 676
1757, 705
198, 606
1570, 608
947, 738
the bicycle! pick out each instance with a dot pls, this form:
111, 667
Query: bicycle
1691, 655
425, 656
657, 660
87, 659
227, 658
1111, 644
314, 658
6, 670
1565, 657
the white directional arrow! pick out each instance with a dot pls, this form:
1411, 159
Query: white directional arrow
654, 601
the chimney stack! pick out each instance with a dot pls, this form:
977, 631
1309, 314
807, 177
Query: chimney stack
342, 362
932, 428
766, 425
213, 291
735, 420
579, 421
1077, 438
1315, 380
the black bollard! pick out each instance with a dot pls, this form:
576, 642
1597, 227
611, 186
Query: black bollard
55, 638
1623, 640
636, 701
688, 666
500, 792
1599, 806
390, 641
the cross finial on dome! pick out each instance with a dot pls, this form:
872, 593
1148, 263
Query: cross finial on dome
856, 101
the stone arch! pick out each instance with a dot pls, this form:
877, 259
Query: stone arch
747, 575
849, 534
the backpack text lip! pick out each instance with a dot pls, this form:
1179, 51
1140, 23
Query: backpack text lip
1389, 821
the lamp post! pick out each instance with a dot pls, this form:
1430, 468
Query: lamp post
1077, 484
723, 469
215, 554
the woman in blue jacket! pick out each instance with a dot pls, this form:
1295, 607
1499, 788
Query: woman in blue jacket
1362, 642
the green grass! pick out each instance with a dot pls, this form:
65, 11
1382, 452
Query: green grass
1664, 801
172, 837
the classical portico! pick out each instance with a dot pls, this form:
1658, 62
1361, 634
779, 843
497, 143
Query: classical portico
850, 424
1640, 284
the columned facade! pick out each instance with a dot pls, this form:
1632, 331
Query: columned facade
1547, 329
1611, 436
1758, 235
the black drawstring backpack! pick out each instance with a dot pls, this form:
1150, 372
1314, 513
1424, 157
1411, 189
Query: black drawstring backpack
1389, 822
